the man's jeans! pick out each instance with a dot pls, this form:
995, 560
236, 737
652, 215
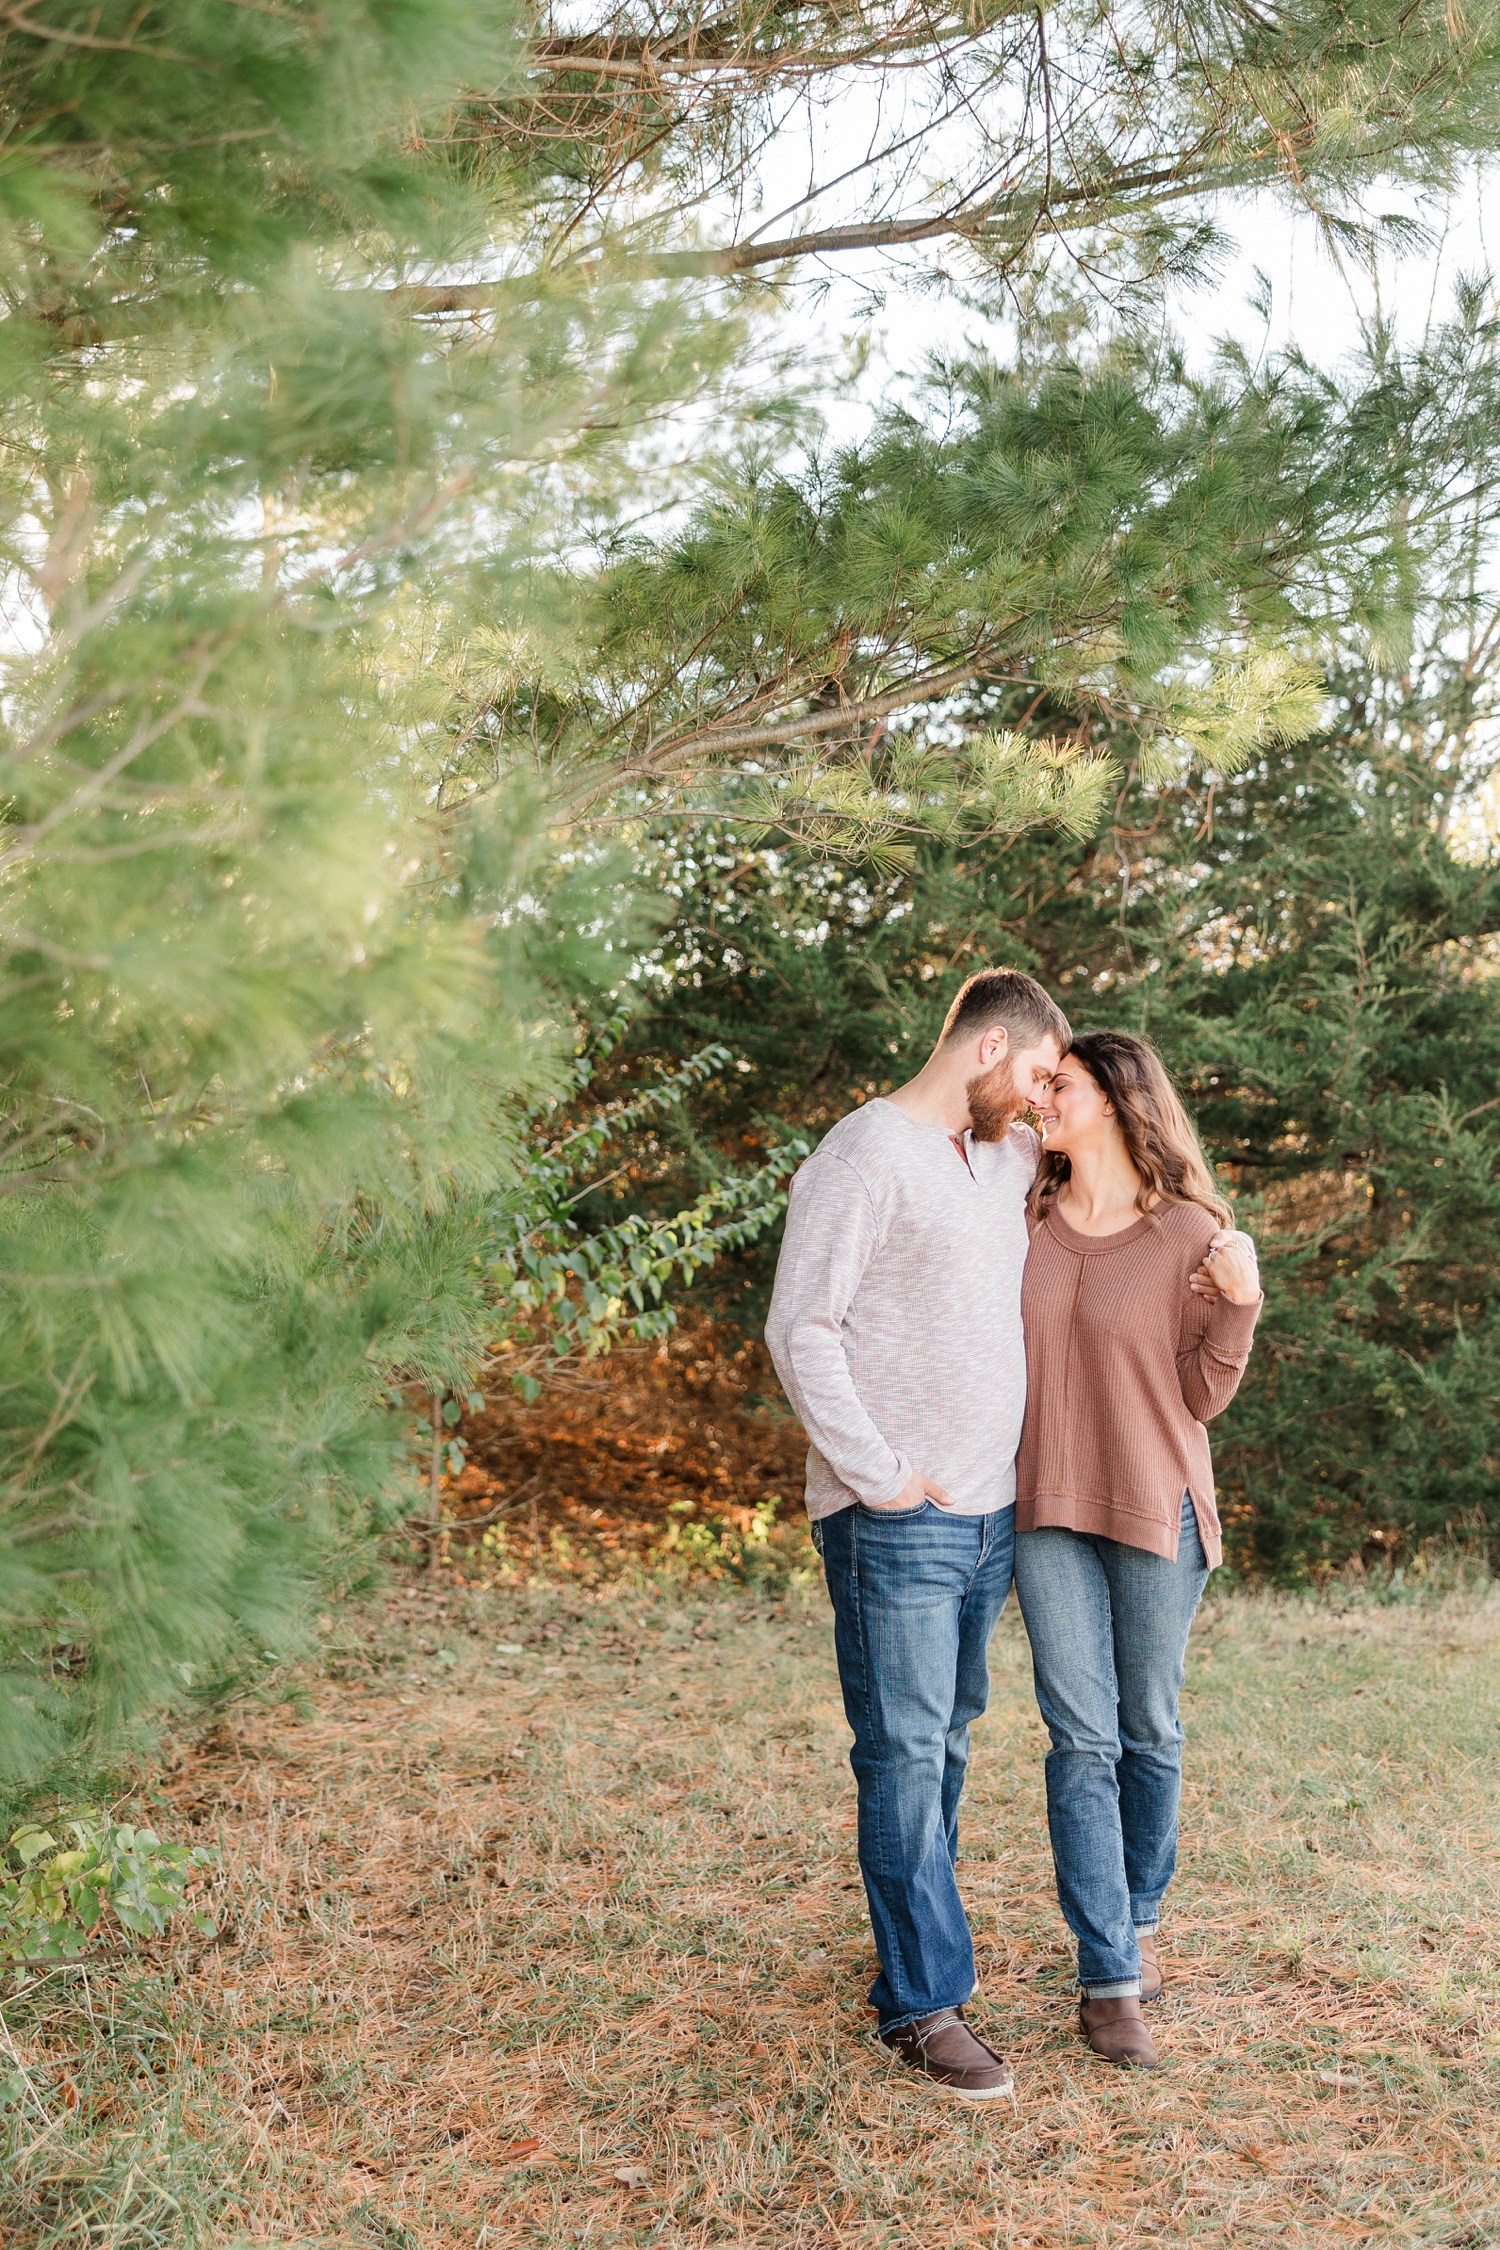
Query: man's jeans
916, 1596
1108, 1627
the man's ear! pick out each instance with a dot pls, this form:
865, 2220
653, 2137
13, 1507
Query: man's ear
992, 1045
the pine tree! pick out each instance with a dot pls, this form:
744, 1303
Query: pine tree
1080, 535
265, 1014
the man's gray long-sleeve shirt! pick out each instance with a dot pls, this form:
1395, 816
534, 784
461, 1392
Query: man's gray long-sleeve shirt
896, 1320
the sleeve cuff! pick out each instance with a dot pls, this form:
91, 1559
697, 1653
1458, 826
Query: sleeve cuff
1231, 1326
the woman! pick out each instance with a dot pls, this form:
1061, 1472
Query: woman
1139, 1304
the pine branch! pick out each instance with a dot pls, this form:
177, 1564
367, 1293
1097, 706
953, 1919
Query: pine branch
1009, 220
675, 751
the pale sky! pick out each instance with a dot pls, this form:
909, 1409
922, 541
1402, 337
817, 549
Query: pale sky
1317, 299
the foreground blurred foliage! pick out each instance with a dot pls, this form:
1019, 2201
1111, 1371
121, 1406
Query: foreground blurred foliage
268, 1021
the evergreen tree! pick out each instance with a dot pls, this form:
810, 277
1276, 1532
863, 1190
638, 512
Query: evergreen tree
1073, 538
264, 1016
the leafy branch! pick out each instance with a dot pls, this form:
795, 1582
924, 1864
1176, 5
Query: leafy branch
563, 1291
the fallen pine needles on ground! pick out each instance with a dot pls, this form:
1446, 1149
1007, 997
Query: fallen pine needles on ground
545, 1929
656, 1453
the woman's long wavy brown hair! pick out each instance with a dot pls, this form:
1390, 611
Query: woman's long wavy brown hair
1159, 1135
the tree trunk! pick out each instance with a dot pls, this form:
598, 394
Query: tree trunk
435, 1481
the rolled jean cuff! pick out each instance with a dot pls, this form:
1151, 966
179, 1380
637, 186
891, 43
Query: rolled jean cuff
1147, 1929
1124, 1988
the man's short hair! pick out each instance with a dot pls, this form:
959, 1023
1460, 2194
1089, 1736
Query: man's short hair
1006, 996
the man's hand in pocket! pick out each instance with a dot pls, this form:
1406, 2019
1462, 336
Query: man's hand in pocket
913, 1494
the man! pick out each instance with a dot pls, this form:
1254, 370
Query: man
896, 1330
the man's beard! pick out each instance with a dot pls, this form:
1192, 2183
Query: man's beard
993, 1102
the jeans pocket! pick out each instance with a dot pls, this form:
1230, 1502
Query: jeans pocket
893, 1515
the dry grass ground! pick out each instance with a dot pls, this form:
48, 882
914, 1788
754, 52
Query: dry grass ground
543, 1928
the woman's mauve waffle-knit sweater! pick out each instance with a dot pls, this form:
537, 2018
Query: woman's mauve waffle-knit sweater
1124, 1365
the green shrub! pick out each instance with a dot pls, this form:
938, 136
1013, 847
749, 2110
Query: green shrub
61, 1895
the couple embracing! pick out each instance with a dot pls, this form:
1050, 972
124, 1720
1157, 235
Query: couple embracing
1003, 1348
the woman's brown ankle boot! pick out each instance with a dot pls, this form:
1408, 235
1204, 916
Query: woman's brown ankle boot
1116, 2029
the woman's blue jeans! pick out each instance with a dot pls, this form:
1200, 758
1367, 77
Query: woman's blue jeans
916, 1596
1108, 1627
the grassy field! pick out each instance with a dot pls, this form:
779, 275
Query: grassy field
543, 1927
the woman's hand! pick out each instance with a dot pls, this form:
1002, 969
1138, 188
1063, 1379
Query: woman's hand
1229, 1269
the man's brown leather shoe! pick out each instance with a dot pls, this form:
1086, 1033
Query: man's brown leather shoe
1116, 2030
946, 2049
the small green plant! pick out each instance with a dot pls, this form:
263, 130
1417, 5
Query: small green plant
761, 1554
51, 1907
